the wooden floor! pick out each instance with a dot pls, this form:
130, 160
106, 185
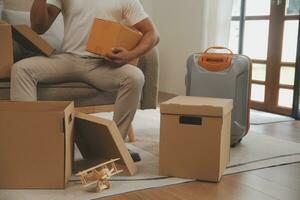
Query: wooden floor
273, 183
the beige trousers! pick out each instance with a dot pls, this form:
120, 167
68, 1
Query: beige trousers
128, 80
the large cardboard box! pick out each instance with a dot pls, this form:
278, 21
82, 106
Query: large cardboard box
106, 35
99, 140
36, 144
26, 37
195, 137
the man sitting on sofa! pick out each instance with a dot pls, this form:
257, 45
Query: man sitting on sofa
76, 64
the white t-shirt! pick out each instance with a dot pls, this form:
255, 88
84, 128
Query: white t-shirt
80, 14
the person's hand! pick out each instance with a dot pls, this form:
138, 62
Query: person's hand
120, 56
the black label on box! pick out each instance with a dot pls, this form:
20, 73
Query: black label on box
190, 120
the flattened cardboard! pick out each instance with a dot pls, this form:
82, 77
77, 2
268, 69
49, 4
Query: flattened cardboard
36, 144
31, 40
25, 37
6, 50
195, 143
69, 120
106, 35
100, 139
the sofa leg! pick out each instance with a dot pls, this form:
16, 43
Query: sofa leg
131, 134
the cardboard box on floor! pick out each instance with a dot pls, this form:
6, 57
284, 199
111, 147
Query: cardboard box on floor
26, 37
36, 144
195, 137
106, 35
100, 140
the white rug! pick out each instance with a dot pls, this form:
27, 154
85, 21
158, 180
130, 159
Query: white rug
255, 152
258, 117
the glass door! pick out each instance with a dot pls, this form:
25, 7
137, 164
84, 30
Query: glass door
284, 91
266, 31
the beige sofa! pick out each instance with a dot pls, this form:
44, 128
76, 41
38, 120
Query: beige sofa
82, 94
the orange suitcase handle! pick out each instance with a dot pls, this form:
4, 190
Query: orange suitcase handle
216, 61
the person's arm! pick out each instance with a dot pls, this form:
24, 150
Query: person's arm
42, 16
149, 40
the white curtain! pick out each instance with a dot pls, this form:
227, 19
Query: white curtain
215, 23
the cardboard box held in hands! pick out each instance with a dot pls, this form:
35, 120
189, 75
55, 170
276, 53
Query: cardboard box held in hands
26, 37
106, 35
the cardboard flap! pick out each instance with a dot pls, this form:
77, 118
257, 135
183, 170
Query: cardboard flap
100, 139
3, 22
69, 119
203, 106
39, 106
6, 50
31, 40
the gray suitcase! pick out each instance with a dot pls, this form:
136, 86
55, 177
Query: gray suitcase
223, 76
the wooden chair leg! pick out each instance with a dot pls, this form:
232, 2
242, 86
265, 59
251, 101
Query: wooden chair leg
131, 134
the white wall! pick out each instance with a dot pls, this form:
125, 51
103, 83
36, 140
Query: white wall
147, 5
179, 24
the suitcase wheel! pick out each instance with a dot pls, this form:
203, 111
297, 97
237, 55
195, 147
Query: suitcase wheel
236, 143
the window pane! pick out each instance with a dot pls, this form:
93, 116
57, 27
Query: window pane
285, 98
287, 75
256, 39
293, 7
234, 36
259, 72
289, 50
258, 93
236, 10
258, 7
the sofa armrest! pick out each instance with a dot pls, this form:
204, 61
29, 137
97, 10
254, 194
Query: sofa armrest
1, 8
149, 64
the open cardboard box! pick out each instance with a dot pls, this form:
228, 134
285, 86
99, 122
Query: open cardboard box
26, 37
36, 144
106, 35
99, 140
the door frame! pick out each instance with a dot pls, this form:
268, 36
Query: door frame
273, 59
296, 103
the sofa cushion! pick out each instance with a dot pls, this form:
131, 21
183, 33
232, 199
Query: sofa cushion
82, 94
6, 84
53, 36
